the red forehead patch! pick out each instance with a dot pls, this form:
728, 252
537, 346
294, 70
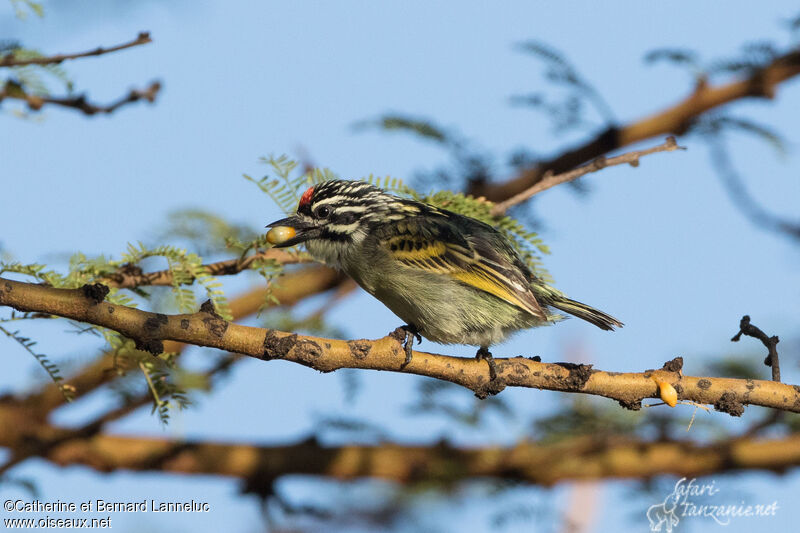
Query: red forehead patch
306, 198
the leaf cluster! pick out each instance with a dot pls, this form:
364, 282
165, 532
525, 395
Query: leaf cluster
185, 269
568, 113
30, 80
22, 8
51, 368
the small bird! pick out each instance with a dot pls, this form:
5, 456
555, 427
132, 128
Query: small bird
453, 279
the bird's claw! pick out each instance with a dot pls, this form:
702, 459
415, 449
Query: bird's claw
485, 355
407, 334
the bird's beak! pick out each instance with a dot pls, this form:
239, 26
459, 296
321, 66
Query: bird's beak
304, 230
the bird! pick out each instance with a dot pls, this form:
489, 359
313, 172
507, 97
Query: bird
451, 278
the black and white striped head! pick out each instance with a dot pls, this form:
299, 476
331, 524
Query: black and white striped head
342, 211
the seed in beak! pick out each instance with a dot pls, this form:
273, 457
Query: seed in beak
280, 234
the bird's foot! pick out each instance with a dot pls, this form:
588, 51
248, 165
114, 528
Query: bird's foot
485, 355
406, 335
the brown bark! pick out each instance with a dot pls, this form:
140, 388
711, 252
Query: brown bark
206, 328
288, 289
587, 457
674, 120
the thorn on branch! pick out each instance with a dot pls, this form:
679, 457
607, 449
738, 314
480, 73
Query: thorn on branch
216, 325
208, 307
276, 346
490, 388
95, 292
579, 374
728, 403
746, 328
674, 365
151, 341
632, 404
152, 346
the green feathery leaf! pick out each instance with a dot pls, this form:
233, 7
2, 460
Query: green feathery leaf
51, 368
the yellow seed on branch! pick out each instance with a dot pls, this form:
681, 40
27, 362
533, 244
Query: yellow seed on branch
667, 392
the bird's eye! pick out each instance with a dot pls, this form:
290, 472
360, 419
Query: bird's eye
323, 211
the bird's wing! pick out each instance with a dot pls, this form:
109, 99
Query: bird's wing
465, 249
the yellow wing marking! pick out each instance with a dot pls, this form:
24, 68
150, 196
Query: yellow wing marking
490, 285
411, 249
437, 257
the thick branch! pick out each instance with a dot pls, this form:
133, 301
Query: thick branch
10, 61
674, 120
205, 328
550, 180
37, 407
288, 289
546, 464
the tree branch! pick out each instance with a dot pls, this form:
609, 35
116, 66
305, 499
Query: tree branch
289, 289
10, 61
550, 180
132, 277
37, 406
771, 343
206, 328
674, 120
80, 103
588, 457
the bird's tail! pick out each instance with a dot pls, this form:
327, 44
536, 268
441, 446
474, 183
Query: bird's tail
582, 311
585, 312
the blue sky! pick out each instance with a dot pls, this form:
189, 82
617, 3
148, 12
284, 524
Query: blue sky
659, 246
